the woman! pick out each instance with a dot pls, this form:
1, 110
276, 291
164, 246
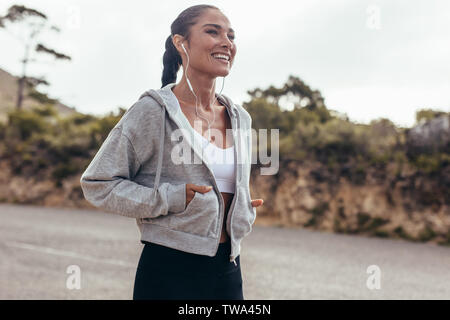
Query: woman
191, 223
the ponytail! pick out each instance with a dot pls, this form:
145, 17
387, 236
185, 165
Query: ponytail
171, 61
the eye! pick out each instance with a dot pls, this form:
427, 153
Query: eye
215, 32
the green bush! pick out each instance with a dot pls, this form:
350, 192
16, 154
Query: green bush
431, 163
33, 140
39, 138
314, 133
402, 233
22, 124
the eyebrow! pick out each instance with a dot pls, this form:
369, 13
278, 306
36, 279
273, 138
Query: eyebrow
217, 26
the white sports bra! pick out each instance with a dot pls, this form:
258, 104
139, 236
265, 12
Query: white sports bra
222, 163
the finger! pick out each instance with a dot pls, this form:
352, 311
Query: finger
202, 189
257, 202
190, 192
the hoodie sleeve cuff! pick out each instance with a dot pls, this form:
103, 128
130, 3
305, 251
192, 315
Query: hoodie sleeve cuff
176, 198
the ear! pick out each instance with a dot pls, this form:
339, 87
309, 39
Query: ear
177, 40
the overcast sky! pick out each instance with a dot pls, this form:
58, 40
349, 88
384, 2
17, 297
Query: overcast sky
369, 59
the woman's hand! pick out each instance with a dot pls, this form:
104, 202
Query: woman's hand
191, 189
257, 202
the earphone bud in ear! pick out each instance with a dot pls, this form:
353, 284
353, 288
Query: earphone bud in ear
188, 82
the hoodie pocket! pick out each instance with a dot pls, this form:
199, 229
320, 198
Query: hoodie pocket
162, 221
200, 216
244, 214
252, 208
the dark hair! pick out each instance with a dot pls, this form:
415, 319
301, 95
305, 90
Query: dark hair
182, 24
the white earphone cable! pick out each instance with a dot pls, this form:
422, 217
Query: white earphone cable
212, 105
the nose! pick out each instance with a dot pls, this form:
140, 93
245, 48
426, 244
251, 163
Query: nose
227, 43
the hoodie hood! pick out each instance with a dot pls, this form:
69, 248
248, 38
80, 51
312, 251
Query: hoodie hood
166, 98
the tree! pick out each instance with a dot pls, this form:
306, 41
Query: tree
311, 99
37, 22
309, 106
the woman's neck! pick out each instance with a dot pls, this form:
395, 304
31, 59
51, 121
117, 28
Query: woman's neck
205, 93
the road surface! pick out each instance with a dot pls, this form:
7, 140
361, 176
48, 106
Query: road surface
38, 244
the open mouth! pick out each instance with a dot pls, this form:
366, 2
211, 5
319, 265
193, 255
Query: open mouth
221, 58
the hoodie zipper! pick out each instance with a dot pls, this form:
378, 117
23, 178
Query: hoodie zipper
232, 259
230, 216
231, 211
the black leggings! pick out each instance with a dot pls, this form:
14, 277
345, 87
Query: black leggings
170, 274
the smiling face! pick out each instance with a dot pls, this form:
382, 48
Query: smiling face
212, 34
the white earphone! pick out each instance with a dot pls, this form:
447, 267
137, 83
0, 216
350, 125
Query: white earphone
190, 86
189, 83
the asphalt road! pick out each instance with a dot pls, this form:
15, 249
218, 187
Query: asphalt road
37, 246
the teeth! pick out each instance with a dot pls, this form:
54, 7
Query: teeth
221, 56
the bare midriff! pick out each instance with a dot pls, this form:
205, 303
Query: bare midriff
227, 199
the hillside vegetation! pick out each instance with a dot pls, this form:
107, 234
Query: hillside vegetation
334, 175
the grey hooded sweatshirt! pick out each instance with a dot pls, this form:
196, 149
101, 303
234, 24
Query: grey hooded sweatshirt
137, 173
